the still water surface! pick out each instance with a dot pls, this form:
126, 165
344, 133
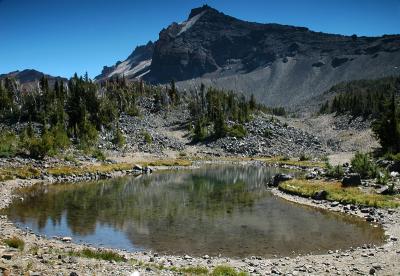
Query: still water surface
214, 210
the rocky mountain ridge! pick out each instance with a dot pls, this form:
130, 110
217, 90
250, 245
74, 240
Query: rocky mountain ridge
279, 64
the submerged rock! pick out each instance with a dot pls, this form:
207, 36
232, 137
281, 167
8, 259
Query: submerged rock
137, 168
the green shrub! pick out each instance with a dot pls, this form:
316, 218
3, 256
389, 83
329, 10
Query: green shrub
38, 148
119, 138
200, 131
267, 133
147, 137
60, 136
382, 178
362, 164
88, 135
237, 131
304, 157
15, 242
8, 144
99, 155
392, 157
334, 171
133, 111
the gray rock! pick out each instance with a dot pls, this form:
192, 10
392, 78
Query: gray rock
311, 175
66, 239
320, 195
352, 179
280, 177
384, 190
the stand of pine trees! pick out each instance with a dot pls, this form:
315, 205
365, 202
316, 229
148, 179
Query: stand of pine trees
67, 112
376, 99
211, 109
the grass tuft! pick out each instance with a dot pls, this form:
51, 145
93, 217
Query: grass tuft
223, 270
194, 270
15, 242
106, 255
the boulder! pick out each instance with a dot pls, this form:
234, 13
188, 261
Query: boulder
384, 190
320, 195
311, 175
280, 177
352, 179
147, 170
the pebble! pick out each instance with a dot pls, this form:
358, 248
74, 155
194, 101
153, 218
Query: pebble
66, 239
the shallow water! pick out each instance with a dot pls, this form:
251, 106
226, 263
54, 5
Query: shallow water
214, 210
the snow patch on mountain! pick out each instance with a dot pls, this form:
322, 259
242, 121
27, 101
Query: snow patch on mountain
129, 69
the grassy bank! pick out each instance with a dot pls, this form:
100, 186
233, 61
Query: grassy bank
21, 173
293, 162
335, 192
167, 163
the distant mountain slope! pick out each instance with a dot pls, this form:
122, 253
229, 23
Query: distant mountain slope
28, 78
279, 64
135, 66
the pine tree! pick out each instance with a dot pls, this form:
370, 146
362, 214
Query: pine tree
387, 127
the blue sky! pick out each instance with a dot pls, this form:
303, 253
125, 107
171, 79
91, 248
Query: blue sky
61, 37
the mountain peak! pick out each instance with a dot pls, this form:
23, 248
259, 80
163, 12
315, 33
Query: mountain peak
199, 10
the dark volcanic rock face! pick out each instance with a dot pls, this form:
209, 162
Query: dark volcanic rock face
279, 64
211, 41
